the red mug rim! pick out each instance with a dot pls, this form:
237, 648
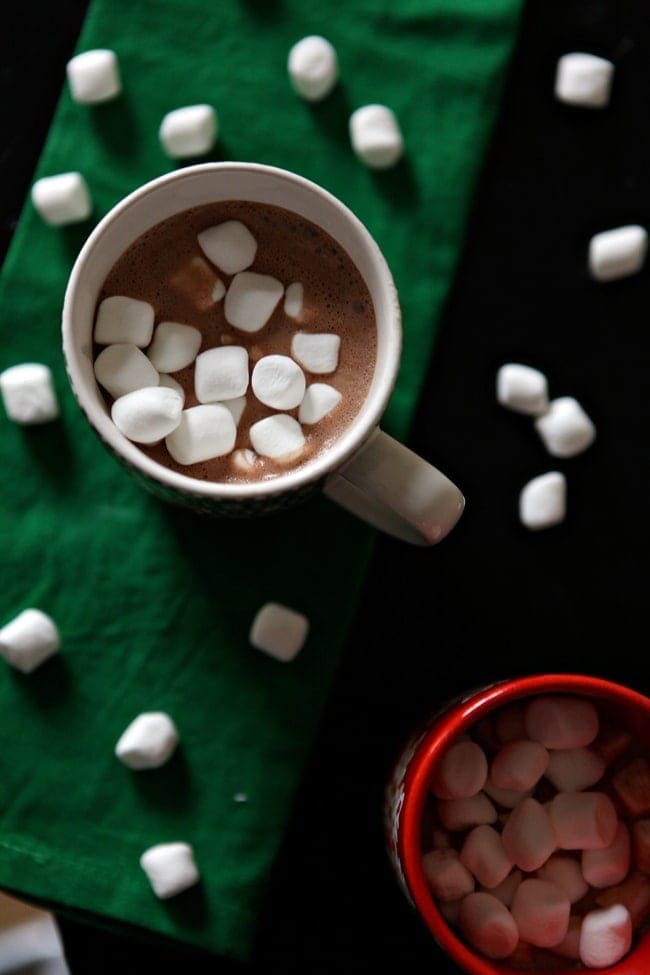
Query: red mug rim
446, 727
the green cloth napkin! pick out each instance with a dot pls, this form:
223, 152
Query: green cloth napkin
155, 603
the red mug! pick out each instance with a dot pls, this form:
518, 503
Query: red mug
408, 788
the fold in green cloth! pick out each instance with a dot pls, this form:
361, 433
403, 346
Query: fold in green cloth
155, 603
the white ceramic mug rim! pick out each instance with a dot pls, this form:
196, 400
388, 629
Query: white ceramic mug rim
313, 471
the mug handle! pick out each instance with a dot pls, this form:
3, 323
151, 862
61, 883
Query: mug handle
390, 487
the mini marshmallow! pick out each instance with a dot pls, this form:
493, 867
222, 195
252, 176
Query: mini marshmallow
313, 68
569, 946
319, 400
447, 877
509, 723
251, 300
62, 199
236, 407
456, 814
221, 373
123, 368
148, 742
542, 502
189, 131
561, 721
565, 428
147, 415
278, 437
519, 765
170, 383
171, 868
633, 893
461, 772
522, 389
122, 319
604, 868
484, 856
617, 253
574, 769
632, 787
197, 280
612, 742
528, 836
505, 891
583, 820
508, 798
565, 873
29, 639
376, 136
541, 912
28, 393
174, 346
293, 297
488, 925
243, 461
583, 79
94, 76
279, 631
605, 936
641, 844
278, 382
204, 432
317, 353
230, 245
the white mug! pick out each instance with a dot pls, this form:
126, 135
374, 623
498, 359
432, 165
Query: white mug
365, 470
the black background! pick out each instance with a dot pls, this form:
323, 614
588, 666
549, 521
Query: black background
493, 600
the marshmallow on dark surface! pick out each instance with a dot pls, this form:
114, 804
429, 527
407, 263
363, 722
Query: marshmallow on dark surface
147, 415
488, 925
522, 389
123, 368
29, 639
561, 721
484, 856
316, 352
457, 814
583, 820
319, 400
632, 787
62, 199
221, 374
148, 742
123, 319
28, 393
313, 67
574, 769
584, 80
171, 868
189, 131
279, 437
618, 253
278, 382
565, 429
519, 765
376, 136
293, 298
541, 911
279, 631
448, 878
461, 771
204, 432
565, 873
609, 866
230, 245
251, 300
542, 501
528, 835
174, 346
94, 76
605, 936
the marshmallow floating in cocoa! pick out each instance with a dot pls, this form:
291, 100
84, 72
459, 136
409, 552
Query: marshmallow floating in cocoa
251, 300
203, 432
230, 245
278, 437
221, 374
174, 346
147, 415
319, 400
293, 298
123, 368
123, 319
316, 352
278, 382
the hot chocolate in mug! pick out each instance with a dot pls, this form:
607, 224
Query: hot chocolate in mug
364, 470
